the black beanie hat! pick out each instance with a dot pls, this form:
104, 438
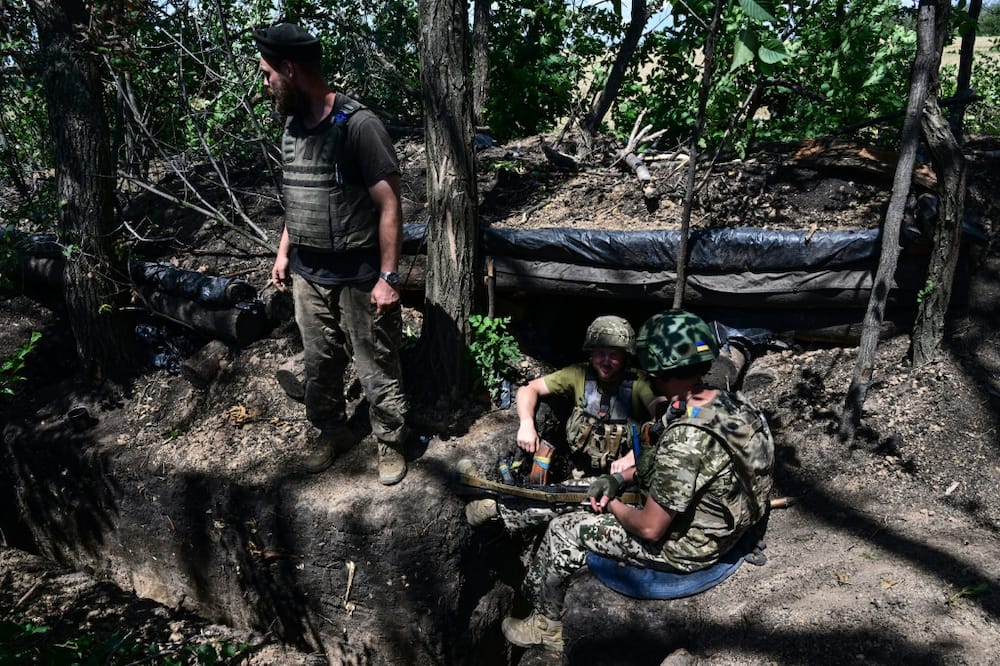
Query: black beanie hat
287, 41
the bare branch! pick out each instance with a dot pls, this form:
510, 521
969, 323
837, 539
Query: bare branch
209, 212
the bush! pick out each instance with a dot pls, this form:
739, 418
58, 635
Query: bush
494, 351
10, 369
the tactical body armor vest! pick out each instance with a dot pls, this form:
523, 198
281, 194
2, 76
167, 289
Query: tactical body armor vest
600, 427
323, 211
742, 432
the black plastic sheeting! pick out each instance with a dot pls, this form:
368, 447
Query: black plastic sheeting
209, 290
710, 250
41, 245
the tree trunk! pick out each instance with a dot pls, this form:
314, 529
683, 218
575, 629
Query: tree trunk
11, 164
902, 180
699, 126
964, 70
480, 61
949, 165
592, 121
452, 231
84, 183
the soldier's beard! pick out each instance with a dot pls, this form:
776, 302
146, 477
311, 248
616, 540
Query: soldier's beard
288, 100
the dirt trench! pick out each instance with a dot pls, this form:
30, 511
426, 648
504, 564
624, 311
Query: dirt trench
208, 513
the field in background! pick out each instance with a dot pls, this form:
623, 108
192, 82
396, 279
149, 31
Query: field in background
984, 48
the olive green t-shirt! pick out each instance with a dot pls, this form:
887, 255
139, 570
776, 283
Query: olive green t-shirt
569, 383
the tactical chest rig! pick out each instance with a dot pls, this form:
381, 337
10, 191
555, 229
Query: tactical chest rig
742, 433
600, 427
323, 211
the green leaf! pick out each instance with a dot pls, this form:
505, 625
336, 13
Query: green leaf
877, 75
773, 52
744, 49
759, 11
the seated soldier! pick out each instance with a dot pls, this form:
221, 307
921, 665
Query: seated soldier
608, 397
704, 474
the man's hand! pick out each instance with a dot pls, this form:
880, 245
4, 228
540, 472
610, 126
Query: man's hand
279, 272
604, 489
623, 463
527, 437
384, 296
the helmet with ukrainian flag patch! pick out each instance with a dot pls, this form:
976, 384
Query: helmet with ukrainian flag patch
674, 339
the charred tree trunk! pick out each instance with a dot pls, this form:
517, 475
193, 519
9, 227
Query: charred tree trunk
902, 180
452, 231
699, 126
592, 121
949, 165
480, 61
84, 182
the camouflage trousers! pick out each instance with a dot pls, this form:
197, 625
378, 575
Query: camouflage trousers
523, 518
518, 516
334, 322
564, 551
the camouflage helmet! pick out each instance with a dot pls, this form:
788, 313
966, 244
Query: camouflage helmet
610, 331
675, 339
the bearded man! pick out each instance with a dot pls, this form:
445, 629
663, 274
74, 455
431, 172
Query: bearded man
340, 248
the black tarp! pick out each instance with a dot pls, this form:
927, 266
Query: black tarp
710, 250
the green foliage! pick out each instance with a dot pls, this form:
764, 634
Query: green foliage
190, 70
980, 589
352, 33
856, 66
10, 369
925, 291
411, 338
816, 70
989, 20
540, 56
493, 351
756, 38
982, 116
24, 149
24, 642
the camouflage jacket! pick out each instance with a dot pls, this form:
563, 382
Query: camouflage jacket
713, 467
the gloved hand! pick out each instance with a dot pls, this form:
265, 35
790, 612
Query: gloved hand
607, 485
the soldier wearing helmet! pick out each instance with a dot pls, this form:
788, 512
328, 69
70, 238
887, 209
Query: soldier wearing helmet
704, 469
607, 396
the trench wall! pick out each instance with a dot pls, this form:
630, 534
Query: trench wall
332, 562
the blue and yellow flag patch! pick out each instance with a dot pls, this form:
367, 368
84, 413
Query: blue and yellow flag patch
701, 346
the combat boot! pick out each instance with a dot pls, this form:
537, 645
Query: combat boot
536, 629
391, 464
325, 447
480, 512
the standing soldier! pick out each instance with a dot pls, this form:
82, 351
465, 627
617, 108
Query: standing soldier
339, 249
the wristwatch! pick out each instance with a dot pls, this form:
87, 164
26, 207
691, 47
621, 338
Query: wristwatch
392, 277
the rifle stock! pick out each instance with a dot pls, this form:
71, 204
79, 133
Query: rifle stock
550, 494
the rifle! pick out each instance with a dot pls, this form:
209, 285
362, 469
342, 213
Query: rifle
556, 493
549, 494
